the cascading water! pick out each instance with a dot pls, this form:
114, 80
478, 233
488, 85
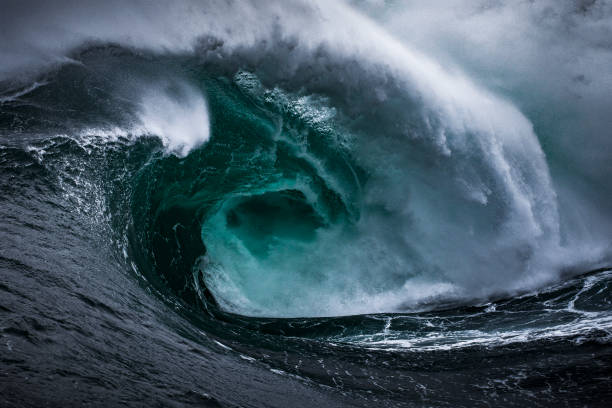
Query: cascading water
291, 200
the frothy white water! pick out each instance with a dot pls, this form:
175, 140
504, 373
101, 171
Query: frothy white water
544, 320
472, 338
178, 115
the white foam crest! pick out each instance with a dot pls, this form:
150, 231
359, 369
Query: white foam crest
460, 105
178, 116
176, 113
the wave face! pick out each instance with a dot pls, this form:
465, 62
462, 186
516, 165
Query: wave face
292, 193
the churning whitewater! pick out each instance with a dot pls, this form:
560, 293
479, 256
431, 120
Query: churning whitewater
346, 203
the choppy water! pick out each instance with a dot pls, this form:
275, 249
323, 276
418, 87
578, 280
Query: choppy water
291, 214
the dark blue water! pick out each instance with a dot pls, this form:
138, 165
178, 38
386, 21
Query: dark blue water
208, 228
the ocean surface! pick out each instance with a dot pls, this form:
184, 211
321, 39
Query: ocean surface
231, 204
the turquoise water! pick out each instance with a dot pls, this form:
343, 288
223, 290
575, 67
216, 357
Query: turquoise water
292, 216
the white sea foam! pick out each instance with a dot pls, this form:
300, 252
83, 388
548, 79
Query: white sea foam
450, 340
175, 113
178, 116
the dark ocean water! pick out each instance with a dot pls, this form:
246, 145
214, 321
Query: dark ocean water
238, 235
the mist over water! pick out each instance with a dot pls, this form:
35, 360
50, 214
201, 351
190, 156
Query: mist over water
290, 185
